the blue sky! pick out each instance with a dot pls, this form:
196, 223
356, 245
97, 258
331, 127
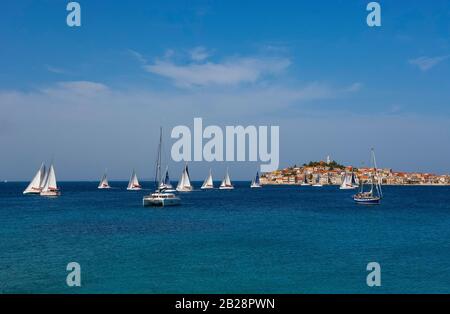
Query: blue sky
94, 97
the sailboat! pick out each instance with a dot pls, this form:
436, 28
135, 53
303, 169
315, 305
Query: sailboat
375, 194
133, 184
184, 185
208, 183
256, 182
165, 184
226, 183
50, 188
305, 181
160, 197
37, 183
349, 182
317, 184
104, 184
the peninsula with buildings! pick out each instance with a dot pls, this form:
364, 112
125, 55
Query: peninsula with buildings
332, 173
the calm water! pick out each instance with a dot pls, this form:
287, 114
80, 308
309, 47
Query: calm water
275, 240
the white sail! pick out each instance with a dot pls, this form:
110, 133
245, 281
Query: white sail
226, 182
36, 183
208, 183
104, 184
256, 182
184, 184
50, 183
133, 184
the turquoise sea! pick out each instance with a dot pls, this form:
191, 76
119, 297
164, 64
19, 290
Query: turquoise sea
278, 239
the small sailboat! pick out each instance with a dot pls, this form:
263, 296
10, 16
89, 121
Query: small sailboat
133, 184
50, 188
37, 183
184, 185
256, 182
375, 194
318, 184
349, 182
104, 184
160, 197
305, 181
226, 183
208, 183
165, 184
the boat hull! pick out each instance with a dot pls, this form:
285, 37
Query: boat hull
134, 189
317, 185
226, 187
207, 187
184, 189
255, 186
367, 201
348, 187
158, 202
50, 193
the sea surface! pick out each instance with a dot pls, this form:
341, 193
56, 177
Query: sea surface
278, 239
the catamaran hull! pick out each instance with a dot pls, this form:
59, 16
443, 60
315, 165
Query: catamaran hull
152, 202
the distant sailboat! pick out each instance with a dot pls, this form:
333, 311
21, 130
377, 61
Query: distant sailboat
133, 184
165, 183
37, 183
50, 187
305, 180
104, 184
184, 185
208, 183
256, 182
349, 182
318, 184
226, 183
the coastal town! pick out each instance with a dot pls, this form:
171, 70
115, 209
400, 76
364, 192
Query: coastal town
331, 173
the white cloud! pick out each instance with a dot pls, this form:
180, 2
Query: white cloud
231, 72
199, 53
426, 63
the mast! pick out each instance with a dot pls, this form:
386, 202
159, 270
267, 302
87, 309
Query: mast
158, 161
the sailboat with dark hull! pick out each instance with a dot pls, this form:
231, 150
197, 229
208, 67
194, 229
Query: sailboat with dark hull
375, 194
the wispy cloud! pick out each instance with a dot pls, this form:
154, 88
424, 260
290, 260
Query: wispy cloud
54, 69
426, 63
230, 72
199, 53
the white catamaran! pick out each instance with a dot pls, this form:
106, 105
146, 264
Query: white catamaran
208, 183
37, 183
184, 185
133, 184
104, 184
160, 197
50, 188
256, 182
226, 183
